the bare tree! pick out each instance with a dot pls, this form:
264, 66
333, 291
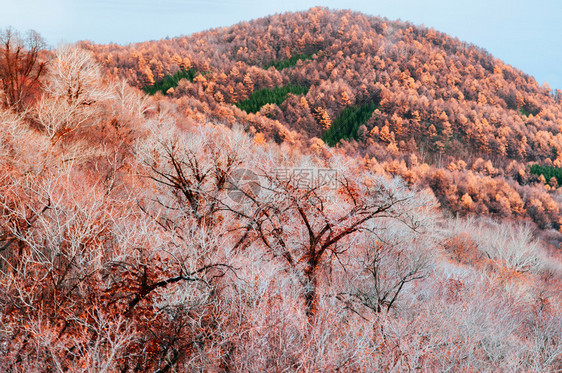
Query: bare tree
310, 224
73, 87
21, 67
397, 257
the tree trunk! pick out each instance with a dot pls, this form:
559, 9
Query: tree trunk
310, 296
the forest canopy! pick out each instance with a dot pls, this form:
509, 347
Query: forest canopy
269, 96
170, 81
346, 126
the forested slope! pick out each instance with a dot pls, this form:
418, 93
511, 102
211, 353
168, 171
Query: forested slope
448, 115
177, 232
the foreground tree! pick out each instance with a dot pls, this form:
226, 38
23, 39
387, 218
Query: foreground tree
309, 225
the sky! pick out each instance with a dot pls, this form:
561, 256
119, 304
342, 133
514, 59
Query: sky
525, 34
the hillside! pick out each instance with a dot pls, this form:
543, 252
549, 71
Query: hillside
436, 111
314, 191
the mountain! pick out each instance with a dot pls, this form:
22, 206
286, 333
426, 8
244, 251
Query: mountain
311, 191
436, 111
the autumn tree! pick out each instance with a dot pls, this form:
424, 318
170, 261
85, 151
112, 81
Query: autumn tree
21, 67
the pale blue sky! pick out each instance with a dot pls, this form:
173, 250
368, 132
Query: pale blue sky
526, 34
